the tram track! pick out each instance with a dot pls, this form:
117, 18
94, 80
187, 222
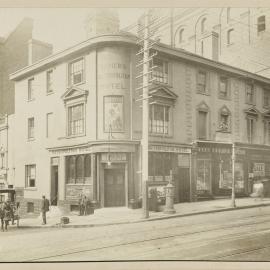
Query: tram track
216, 228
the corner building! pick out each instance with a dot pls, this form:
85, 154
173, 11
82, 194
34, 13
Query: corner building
78, 123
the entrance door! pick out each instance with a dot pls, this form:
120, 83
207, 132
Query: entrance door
54, 185
114, 187
184, 184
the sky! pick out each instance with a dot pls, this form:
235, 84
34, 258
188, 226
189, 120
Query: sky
62, 27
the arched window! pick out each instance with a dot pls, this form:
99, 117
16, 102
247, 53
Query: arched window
79, 169
181, 35
230, 39
224, 121
203, 25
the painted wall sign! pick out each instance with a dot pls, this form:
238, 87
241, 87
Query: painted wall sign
113, 157
166, 148
259, 169
72, 151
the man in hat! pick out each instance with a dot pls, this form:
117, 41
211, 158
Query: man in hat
44, 208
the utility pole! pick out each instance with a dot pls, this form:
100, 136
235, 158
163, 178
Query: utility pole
145, 51
233, 176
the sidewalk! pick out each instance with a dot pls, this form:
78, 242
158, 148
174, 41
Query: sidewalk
123, 215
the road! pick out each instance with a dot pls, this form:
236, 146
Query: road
242, 235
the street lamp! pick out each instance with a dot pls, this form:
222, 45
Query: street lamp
109, 163
233, 178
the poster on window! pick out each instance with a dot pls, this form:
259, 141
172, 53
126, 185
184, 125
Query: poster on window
113, 113
225, 181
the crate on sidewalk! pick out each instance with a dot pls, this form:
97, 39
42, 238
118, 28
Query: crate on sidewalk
64, 220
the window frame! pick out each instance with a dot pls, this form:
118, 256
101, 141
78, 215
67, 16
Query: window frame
30, 89
49, 83
181, 35
164, 126
164, 79
206, 90
228, 92
230, 40
251, 137
30, 129
47, 124
251, 102
70, 64
260, 24
203, 24
265, 90
28, 176
68, 108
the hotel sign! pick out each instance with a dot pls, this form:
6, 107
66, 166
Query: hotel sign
170, 149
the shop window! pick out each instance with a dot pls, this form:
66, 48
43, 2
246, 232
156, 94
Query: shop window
223, 87
76, 71
203, 176
266, 98
160, 71
30, 176
160, 165
225, 174
49, 81
76, 120
30, 207
261, 24
250, 129
224, 119
78, 169
159, 119
230, 36
201, 82
250, 99
31, 126
31, 89
113, 113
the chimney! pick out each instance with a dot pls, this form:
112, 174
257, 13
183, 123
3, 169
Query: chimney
38, 50
101, 21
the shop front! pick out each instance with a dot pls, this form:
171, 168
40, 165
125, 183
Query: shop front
213, 170
170, 161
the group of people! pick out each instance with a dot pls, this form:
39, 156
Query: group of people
7, 214
84, 204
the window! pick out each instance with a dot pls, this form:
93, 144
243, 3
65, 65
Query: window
181, 35
223, 87
160, 71
159, 119
30, 207
202, 125
49, 79
203, 23
224, 119
250, 129
230, 36
249, 93
76, 120
261, 24
30, 175
202, 48
49, 125
228, 14
113, 114
201, 81
76, 72
267, 131
203, 176
266, 98
30, 89
31, 126
78, 169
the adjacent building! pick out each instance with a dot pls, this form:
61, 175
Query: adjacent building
232, 35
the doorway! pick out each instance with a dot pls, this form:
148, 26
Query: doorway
114, 187
54, 185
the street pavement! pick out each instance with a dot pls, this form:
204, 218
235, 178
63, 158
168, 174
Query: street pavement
124, 215
241, 235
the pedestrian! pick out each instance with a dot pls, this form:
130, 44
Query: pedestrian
80, 204
7, 214
2, 214
83, 205
44, 209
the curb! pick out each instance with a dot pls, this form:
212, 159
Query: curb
143, 220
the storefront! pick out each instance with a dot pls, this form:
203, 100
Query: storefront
213, 170
171, 161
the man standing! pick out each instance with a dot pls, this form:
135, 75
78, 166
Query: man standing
44, 208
